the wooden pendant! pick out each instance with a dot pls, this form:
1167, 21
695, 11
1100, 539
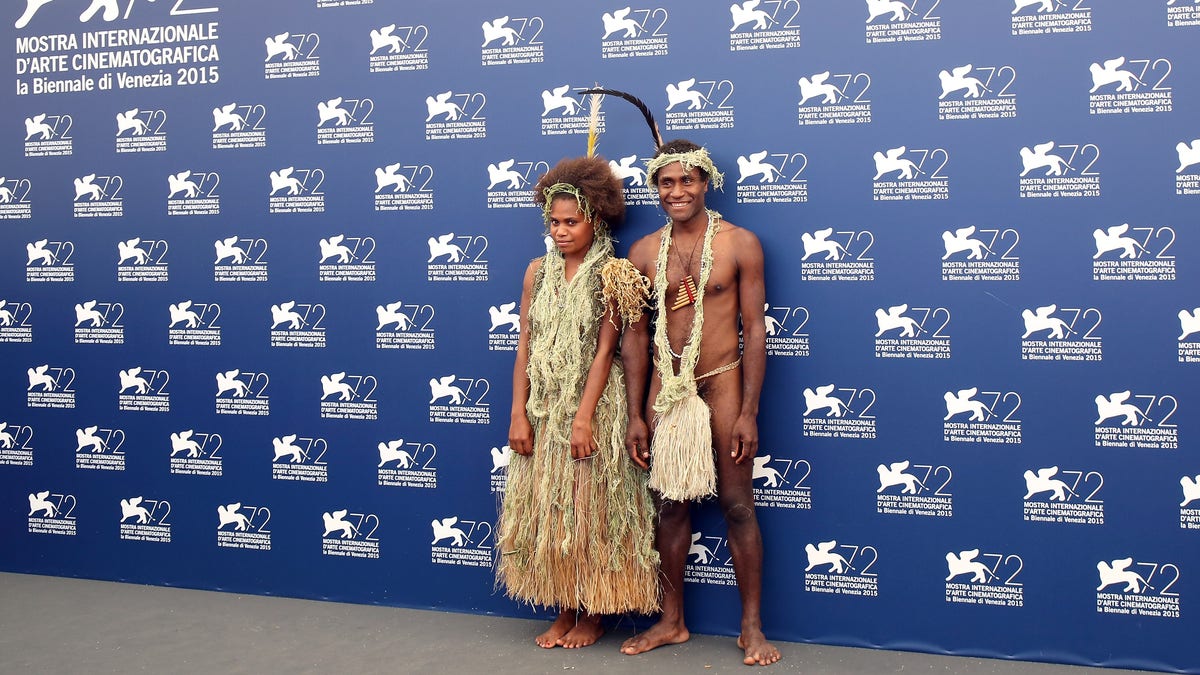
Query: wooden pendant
686, 294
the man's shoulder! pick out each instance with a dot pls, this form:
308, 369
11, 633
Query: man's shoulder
727, 226
645, 248
650, 239
738, 234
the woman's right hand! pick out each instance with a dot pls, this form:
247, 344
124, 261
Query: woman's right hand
520, 435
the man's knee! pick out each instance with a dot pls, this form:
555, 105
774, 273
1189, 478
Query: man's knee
735, 495
738, 512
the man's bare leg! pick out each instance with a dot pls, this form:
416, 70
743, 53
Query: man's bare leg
735, 490
673, 538
586, 631
562, 625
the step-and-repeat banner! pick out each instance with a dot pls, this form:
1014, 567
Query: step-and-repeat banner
261, 264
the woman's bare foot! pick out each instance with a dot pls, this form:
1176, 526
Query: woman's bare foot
758, 650
659, 634
561, 626
585, 632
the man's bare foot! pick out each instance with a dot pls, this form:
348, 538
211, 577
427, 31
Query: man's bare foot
561, 626
758, 650
585, 632
657, 635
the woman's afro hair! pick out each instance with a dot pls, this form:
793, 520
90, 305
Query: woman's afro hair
594, 179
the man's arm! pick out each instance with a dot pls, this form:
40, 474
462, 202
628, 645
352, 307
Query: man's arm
635, 357
751, 301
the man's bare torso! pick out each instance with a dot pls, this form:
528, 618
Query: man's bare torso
719, 337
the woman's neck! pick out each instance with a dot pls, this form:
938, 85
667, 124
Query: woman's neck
571, 265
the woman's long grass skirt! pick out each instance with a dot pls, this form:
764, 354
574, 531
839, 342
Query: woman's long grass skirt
580, 534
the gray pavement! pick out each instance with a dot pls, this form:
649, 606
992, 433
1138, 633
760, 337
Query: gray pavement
57, 625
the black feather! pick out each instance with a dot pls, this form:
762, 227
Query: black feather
637, 102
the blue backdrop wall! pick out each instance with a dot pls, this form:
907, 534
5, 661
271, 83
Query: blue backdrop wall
261, 260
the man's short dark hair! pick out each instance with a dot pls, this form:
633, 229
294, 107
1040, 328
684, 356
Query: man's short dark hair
676, 146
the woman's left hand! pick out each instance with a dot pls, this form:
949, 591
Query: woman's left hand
582, 443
